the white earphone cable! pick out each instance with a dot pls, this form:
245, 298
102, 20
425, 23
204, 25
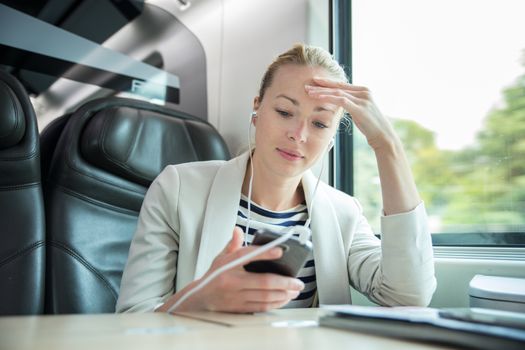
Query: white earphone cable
303, 236
250, 185
230, 265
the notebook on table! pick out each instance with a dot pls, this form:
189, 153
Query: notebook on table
471, 328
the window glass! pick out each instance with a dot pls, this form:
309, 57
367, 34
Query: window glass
451, 76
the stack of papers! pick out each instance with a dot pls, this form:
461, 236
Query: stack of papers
460, 327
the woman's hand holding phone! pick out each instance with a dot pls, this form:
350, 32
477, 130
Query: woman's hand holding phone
295, 254
237, 290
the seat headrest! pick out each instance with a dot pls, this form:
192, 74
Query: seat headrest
12, 118
138, 143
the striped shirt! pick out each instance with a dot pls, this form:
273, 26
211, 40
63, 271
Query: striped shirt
278, 221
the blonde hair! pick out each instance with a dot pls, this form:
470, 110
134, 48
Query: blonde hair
304, 55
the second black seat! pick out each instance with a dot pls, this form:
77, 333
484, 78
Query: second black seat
105, 158
22, 248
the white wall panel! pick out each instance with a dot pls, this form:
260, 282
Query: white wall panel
255, 32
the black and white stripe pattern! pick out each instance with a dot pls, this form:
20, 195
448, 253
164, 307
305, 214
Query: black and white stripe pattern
279, 221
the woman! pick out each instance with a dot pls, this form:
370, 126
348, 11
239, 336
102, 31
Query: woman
185, 226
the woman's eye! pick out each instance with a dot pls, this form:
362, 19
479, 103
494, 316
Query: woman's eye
320, 125
283, 113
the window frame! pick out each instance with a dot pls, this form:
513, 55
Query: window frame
341, 160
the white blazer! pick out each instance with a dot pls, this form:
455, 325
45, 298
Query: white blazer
189, 213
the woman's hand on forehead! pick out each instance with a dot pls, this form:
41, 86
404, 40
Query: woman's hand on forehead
357, 101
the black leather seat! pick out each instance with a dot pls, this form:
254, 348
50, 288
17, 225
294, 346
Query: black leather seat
106, 157
22, 233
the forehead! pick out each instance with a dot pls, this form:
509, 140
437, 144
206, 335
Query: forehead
290, 80
295, 76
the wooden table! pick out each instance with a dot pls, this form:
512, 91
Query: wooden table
280, 329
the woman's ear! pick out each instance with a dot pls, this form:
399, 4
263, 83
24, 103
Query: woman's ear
255, 108
256, 103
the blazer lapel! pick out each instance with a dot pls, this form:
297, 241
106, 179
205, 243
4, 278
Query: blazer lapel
333, 286
331, 273
221, 212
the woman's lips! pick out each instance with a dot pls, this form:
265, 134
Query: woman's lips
289, 154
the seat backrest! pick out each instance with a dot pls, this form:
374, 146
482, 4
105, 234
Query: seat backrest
48, 142
22, 226
106, 157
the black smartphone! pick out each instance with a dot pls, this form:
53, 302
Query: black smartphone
295, 255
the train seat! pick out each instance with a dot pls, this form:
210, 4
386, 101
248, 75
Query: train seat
106, 156
22, 247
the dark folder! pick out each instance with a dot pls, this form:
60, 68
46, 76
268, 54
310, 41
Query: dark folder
429, 325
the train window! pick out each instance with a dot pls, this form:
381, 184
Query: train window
451, 76
67, 52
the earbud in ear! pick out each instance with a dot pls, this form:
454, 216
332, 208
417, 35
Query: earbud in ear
254, 114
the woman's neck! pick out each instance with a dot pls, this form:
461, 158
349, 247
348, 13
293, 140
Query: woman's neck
272, 192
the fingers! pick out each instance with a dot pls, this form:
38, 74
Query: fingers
235, 243
269, 281
254, 301
340, 93
313, 90
261, 301
346, 99
269, 296
272, 254
258, 300
356, 100
338, 98
338, 84
234, 251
